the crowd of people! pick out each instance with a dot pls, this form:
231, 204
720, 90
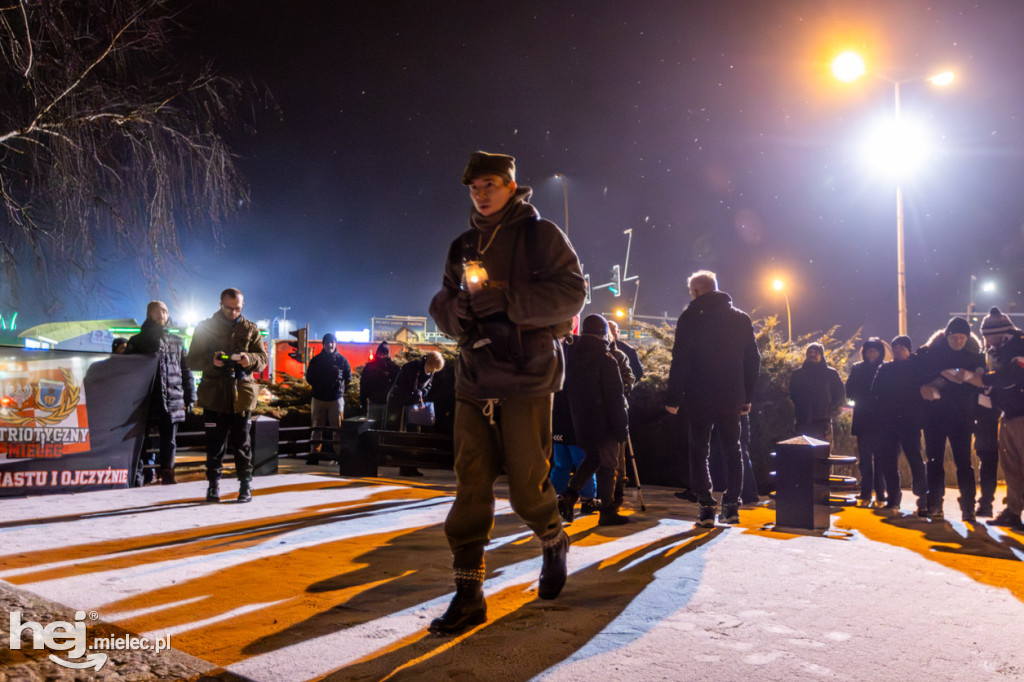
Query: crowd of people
955, 389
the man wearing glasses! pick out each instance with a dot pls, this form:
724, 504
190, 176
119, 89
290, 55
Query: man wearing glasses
227, 349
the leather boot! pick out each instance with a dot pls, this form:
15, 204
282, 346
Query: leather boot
553, 570
213, 492
244, 492
620, 492
610, 516
566, 504
468, 608
167, 477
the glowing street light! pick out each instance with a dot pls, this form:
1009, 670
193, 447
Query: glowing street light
565, 197
848, 67
988, 287
780, 286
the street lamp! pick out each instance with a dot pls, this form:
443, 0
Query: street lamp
779, 285
565, 198
848, 67
988, 286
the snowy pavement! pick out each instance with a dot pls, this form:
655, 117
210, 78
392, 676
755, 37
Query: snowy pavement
322, 576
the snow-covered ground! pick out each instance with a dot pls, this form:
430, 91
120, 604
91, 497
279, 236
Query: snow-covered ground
323, 576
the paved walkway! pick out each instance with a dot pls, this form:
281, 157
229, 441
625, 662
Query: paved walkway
324, 577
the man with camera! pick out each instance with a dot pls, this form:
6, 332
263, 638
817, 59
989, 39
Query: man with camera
227, 349
511, 286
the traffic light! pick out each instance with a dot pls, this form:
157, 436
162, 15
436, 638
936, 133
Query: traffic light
300, 346
586, 281
616, 284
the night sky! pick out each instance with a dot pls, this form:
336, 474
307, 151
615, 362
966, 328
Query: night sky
713, 129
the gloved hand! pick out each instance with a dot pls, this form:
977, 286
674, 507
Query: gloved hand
487, 301
930, 393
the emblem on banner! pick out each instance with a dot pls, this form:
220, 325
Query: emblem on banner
55, 401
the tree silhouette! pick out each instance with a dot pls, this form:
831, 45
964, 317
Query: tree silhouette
111, 144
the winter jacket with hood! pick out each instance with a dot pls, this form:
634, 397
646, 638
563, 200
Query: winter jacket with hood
1005, 381
956, 401
858, 389
222, 389
715, 360
173, 386
817, 392
540, 284
594, 389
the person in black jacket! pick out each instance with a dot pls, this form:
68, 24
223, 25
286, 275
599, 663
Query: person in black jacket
817, 392
947, 361
635, 366
1004, 388
375, 383
173, 390
566, 455
328, 375
898, 407
865, 420
715, 363
593, 385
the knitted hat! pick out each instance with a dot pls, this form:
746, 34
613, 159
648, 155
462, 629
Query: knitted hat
596, 325
958, 325
383, 350
903, 340
996, 323
329, 338
818, 347
482, 163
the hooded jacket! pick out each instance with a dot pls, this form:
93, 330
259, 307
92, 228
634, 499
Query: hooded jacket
858, 389
173, 386
817, 392
715, 361
222, 389
540, 283
956, 401
377, 378
594, 389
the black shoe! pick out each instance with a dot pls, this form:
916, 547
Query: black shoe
409, 471
553, 571
468, 608
167, 477
566, 502
686, 494
610, 517
706, 517
589, 506
312, 460
244, 492
213, 493
984, 509
730, 514
1007, 519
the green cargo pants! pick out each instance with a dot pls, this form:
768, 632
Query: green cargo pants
518, 442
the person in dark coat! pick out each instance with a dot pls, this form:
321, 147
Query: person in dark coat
865, 421
173, 391
898, 407
566, 454
950, 357
328, 375
994, 331
1003, 385
375, 383
715, 363
594, 388
635, 366
817, 392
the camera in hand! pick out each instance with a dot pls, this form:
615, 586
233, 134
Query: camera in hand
233, 364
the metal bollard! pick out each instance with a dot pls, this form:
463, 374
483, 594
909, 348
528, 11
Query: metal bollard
803, 483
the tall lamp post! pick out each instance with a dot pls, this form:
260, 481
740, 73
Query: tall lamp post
565, 198
779, 285
848, 67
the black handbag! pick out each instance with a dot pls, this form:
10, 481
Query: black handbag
420, 414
